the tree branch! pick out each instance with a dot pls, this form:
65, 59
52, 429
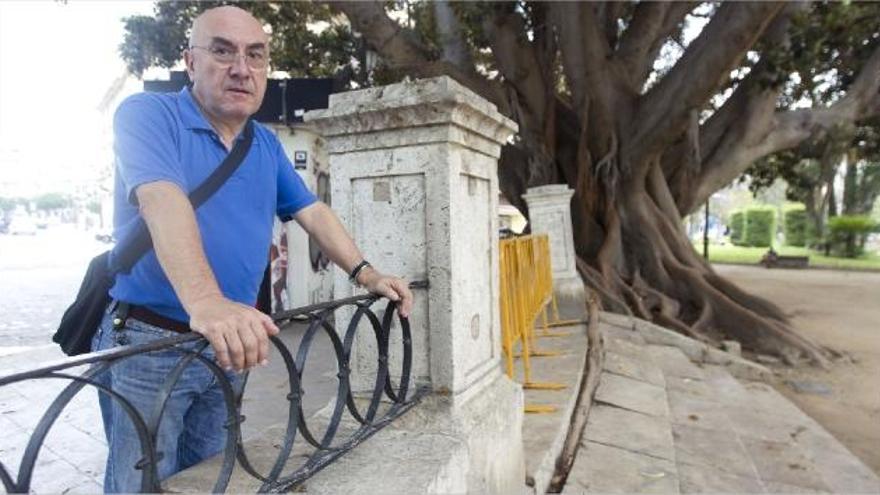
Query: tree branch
673, 24
613, 11
455, 49
584, 51
386, 36
787, 129
402, 51
517, 60
641, 33
741, 119
663, 112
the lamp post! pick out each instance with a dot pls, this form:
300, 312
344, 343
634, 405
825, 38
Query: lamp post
706, 232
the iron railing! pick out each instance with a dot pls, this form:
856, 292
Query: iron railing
398, 397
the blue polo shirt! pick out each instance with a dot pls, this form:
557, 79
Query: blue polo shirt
165, 137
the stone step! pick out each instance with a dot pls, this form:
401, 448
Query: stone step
627, 446
713, 434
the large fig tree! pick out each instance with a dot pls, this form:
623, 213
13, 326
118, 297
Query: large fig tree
645, 109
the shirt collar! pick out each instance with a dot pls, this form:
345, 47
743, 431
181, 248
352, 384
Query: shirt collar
190, 113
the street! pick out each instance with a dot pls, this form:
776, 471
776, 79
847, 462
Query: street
39, 277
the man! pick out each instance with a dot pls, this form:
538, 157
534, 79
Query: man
206, 266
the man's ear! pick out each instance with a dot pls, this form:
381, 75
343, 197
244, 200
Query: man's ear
189, 60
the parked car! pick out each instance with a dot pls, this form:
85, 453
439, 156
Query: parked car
104, 235
22, 226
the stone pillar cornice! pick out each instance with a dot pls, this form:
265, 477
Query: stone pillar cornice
431, 110
550, 213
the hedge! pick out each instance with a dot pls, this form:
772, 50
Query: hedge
737, 228
760, 226
847, 234
795, 226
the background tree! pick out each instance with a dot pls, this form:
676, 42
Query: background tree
828, 50
52, 201
645, 109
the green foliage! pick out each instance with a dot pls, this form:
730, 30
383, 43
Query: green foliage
94, 206
52, 201
760, 226
847, 234
159, 40
752, 255
830, 43
9, 204
738, 227
795, 226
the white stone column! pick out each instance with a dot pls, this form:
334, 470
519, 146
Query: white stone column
414, 180
550, 213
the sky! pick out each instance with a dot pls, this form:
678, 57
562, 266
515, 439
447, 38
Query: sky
57, 60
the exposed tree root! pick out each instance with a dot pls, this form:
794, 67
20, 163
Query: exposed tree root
672, 286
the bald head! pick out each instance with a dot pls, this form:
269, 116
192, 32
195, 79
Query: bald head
224, 20
227, 64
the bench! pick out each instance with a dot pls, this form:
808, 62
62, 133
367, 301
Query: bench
785, 261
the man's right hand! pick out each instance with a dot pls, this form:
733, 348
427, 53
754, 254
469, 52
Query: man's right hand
239, 334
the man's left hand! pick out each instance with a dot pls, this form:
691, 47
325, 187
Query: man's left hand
393, 288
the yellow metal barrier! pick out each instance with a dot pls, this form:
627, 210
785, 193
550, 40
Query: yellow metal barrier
526, 290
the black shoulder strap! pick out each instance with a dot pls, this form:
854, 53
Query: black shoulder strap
126, 254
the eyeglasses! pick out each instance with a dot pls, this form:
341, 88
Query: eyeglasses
255, 58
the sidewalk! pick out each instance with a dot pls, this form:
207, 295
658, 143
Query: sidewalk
74, 454
661, 423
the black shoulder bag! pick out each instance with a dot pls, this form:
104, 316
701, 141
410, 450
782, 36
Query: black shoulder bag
81, 319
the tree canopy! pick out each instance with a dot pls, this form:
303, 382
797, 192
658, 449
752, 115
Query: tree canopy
645, 109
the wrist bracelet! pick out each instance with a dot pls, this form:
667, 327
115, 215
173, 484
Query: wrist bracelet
352, 277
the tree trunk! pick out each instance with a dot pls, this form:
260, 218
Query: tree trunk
605, 134
633, 251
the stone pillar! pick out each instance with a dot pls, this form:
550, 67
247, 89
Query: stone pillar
550, 213
414, 180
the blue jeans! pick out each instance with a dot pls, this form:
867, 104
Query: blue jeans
192, 425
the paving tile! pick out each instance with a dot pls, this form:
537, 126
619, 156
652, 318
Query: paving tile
12, 448
13, 403
640, 370
628, 334
727, 387
603, 469
87, 421
613, 319
636, 432
757, 424
632, 394
626, 348
73, 445
673, 362
9, 427
687, 409
766, 399
839, 468
86, 486
712, 449
702, 479
776, 487
8, 393
692, 386
784, 463
52, 474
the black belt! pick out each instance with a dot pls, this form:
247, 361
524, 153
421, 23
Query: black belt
145, 315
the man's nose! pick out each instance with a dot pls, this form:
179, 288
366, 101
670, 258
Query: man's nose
240, 67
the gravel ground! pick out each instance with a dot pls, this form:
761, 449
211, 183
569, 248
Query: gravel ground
840, 310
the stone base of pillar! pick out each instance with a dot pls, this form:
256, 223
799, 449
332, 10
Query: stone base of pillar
447, 444
569, 289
